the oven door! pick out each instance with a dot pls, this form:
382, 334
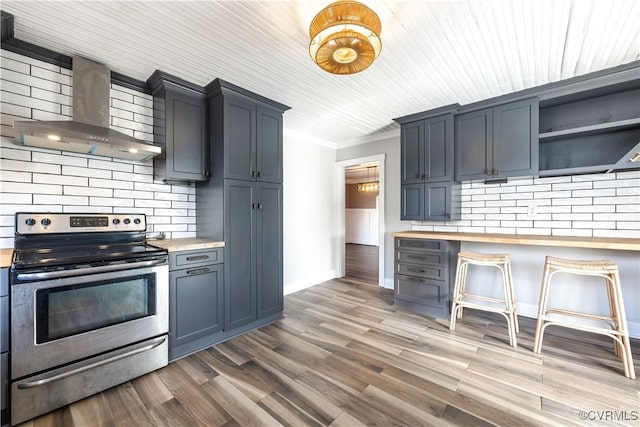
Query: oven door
59, 321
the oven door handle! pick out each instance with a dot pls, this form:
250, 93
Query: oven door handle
157, 342
90, 270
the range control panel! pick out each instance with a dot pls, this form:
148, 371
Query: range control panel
45, 223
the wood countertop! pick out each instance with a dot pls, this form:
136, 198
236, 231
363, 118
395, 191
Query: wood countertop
528, 239
185, 244
5, 257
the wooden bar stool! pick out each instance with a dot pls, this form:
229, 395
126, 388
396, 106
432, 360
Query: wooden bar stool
614, 325
461, 298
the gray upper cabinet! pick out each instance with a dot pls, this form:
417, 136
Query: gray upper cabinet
269, 141
180, 129
427, 168
498, 142
427, 150
252, 135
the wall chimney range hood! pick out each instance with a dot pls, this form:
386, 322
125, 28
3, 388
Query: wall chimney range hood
89, 131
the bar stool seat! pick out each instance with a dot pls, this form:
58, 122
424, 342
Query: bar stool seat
462, 298
613, 326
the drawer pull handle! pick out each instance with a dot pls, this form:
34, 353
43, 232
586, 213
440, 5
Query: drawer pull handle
197, 271
415, 279
197, 258
415, 270
419, 258
416, 245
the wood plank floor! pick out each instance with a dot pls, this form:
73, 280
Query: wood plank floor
344, 356
361, 262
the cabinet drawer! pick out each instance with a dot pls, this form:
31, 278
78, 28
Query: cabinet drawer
412, 257
421, 244
425, 271
184, 259
422, 291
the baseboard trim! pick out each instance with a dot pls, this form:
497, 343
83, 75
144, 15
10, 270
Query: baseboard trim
290, 288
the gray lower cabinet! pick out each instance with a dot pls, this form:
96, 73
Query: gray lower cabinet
253, 234
424, 275
498, 142
432, 201
196, 289
4, 346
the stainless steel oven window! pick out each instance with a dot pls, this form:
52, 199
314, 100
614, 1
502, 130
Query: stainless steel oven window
69, 310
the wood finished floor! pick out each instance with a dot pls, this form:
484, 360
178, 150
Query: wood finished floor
344, 356
361, 262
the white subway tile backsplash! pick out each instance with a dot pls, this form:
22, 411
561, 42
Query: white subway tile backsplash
29, 81
573, 201
123, 114
121, 95
54, 76
25, 101
500, 230
143, 186
13, 176
604, 192
41, 199
87, 191
10, 209
103, 164
18, 88
87, 209
171, 212
629, 191
190, 189
59, 159
12, 64
153, 203
586, 185
16, 198
623, 234
573, 217
126, 176
22, 187
142, 196
14, 111
628, 174
592, 224
110, 201
572, 232
620, 200
143, 169
126, 210
14, 154
47, 95
47, 115
628, 225
629, 216
534, 231
627, 208
40, 178
109, 183
594, 208
91, 173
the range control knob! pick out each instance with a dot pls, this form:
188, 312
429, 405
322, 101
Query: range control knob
116, 221
136, 221
45, 221
127, 221
30, 221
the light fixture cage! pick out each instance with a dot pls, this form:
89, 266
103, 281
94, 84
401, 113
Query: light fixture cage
345, 37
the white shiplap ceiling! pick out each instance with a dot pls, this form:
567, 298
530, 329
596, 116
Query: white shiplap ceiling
434, 52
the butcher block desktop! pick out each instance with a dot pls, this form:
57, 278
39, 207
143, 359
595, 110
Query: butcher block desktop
524, 239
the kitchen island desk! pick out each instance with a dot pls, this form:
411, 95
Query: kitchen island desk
528, 254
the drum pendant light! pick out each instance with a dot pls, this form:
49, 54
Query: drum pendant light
345, 37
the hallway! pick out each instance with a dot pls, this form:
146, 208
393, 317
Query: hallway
361, 262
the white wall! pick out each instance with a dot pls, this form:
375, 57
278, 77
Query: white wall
391, 148
309, 214
35, 179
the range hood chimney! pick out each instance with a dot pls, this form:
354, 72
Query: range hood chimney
89, 131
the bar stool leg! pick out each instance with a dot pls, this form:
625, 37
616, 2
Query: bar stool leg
542, 309
456, 294
627, 358
610, 283
506, 285
512, 297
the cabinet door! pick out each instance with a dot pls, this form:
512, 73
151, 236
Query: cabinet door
187, 146
239, 139
439, 148
269, 145
269, 254
195, 304
473, 140
240, 253
437, 201
412, 202
412, 152
515, 139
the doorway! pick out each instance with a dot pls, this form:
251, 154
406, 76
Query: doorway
361, 222
378, 229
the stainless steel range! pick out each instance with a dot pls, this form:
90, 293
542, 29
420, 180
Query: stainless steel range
89, 307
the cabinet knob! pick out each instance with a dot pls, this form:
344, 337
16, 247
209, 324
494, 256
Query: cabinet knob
253, 205
259, 205
253, 174
259, 173
487, 171
495, 171
207, 174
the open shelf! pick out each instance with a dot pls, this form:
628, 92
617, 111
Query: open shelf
591, 129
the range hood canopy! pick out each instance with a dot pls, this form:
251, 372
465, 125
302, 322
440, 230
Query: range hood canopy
89, 131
